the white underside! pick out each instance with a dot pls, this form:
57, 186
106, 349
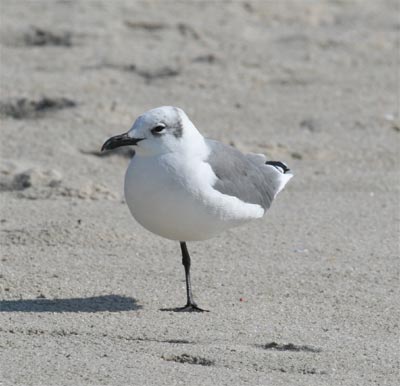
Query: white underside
174, 198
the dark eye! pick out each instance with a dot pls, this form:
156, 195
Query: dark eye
158, 129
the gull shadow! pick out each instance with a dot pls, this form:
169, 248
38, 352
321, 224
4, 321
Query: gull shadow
110, 303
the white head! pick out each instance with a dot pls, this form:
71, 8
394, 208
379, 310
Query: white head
161, 130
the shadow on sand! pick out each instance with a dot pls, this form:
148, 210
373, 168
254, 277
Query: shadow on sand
110, 303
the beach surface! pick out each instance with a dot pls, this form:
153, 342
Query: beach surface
309, 295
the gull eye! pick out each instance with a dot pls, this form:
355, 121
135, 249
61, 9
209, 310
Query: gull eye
157, 130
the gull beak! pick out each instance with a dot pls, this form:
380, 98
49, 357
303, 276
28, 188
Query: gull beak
120, 140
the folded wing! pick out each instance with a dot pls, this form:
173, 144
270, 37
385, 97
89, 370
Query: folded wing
250, 177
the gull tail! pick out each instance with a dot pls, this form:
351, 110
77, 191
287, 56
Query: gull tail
281, 175
279, 165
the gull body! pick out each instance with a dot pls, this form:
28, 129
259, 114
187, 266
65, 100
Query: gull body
184, 187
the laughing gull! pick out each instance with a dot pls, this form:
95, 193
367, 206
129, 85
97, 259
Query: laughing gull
184, 187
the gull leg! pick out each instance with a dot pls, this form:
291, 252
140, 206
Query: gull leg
191, 305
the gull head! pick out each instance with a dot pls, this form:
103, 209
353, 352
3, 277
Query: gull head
161, 130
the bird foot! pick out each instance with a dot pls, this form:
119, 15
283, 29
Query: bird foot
190, 307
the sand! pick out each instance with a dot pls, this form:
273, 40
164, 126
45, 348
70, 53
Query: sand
307, 296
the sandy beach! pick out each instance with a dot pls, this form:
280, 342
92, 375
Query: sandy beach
309, 295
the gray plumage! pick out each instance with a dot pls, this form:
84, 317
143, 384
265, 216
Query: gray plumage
178, 128
246, 177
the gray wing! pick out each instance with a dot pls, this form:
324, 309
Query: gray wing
246, 177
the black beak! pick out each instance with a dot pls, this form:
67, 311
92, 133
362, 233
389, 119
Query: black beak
119, 140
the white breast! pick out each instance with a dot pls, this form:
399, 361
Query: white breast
174, 198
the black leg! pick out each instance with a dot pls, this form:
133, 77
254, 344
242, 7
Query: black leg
191, 305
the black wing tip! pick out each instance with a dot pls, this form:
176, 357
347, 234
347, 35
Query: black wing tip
278, 165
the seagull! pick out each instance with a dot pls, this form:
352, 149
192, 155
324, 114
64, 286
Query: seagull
185, 187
